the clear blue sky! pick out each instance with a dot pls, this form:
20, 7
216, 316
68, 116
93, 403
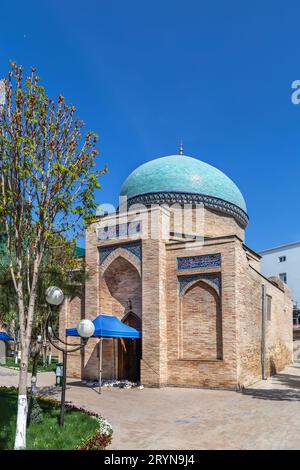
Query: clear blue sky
144, 74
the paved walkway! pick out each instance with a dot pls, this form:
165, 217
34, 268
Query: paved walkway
264, 416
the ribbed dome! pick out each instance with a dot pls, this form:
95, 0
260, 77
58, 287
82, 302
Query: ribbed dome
184, 175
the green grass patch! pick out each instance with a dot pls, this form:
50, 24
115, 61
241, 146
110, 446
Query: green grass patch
10, 362
47, 434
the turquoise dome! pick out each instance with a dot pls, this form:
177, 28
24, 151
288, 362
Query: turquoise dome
183, 179
182, 175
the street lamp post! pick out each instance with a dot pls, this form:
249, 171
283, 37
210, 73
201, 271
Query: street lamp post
85, 328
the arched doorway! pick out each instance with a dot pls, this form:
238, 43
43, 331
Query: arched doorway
129, 352
122, 296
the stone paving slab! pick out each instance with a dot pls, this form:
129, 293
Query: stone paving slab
264, 416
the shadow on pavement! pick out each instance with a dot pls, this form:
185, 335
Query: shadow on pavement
272, 394
290, 392
51, 391
78, 383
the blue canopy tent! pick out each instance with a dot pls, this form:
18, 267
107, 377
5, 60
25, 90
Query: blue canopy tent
3, 350
5, 337
107, 326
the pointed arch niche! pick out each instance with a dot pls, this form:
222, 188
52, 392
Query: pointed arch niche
123, 284
200, 319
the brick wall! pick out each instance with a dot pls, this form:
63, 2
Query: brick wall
215, 224
203, 335
209, 371
72, 312
154, 275
278, 325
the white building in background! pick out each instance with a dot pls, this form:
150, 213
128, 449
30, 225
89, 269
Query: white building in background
284, 262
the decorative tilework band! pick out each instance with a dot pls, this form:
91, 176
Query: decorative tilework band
199, 262
133, 248
214, 278
191, 198
119, 230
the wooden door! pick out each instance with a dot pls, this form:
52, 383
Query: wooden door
129, 352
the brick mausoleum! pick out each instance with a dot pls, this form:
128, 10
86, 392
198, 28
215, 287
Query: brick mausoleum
208, 317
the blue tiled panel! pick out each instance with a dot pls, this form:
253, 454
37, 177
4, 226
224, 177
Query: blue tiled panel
119, 231
133, 248
215, 278
199, 262
105, 252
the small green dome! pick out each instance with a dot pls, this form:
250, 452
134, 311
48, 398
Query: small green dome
183, 175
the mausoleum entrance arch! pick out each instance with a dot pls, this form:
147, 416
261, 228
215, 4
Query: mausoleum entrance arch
124, 300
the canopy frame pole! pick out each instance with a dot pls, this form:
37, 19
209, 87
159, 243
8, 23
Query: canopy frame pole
100, 350
116, 344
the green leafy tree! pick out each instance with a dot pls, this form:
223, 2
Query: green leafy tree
47, 181
8, 306
63, 268
60, 266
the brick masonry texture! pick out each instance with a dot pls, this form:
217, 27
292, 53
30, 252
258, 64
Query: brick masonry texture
199, 336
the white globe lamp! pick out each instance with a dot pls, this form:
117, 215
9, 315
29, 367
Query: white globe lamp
54, 295
86, 328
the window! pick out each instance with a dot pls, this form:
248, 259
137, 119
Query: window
283, 277
282, 259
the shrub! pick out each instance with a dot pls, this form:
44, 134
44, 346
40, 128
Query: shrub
35, 413
101, 439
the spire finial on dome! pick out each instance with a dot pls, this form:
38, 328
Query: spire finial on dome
181, 148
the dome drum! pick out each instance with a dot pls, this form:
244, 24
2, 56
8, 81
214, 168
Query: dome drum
210, 202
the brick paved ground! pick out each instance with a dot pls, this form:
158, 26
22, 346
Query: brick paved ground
265, 416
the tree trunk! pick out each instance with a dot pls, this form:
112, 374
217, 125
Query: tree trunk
20, 440
34, 372
44, 356
25, 337
50, 355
